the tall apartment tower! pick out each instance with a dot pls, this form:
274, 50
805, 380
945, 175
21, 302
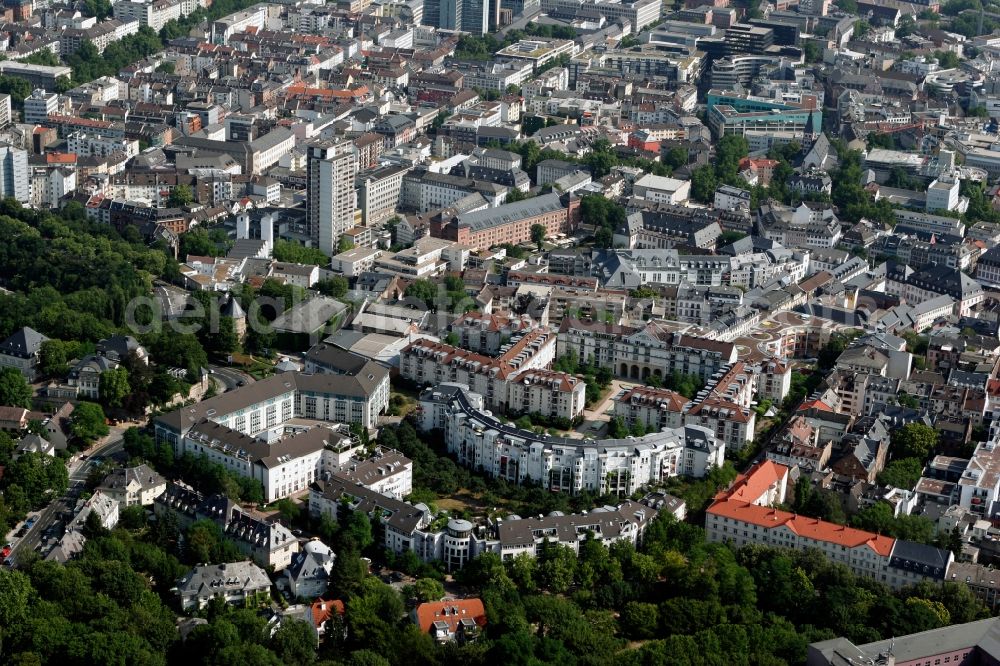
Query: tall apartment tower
331, 171
14, 173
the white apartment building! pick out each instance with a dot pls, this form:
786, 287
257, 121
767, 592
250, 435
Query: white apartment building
498, 75
270, 148
620, 467
330, 195
155, 13
729, 422
656, 409
429, 363
551, 394
743, 515
942, 194
407, 527
91, 145
639, 353
237, 22
14, 173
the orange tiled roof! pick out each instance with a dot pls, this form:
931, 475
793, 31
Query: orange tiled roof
751, 486
323, 610
452, 611
60, 158
809, 528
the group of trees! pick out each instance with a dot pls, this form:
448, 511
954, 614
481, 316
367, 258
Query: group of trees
202, 242
449, 295
297, 253
910, 447
14, 389
729, 150
690, 602
89, 64
73, 279
852, 200
28, 483
605, 215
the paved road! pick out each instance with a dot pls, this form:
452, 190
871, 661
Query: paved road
78, 471
229, 377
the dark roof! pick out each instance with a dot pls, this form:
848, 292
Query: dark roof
23, 343
920, 558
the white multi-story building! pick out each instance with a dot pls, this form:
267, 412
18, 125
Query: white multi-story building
154, 13
254, 431
653, 350
330, 202
237, 22
429, 363
407, 527
355, 261
551, 394
942, 194
744, 515
14, 173
620, 467
379, 191
90, 145
656, 409
39, 105
660, 189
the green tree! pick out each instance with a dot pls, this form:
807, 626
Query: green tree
813, 52
902, 473
947, 59
704, 184
114, 386
423, 290
425, 589
538, 233
335, 287
180, 195
294, 643
14, 389
640, 620
914, 440
54, 356
88, 422
15, 597
344, 244
296, 253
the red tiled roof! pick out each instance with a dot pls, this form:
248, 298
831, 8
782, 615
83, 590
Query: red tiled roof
816, 404
750, 487
809, 528
60, 158
451, 611
323, 610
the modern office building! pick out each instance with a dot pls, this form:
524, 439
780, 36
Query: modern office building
330, 194
39, 105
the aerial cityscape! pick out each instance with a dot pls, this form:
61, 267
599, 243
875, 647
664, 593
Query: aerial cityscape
518, 332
